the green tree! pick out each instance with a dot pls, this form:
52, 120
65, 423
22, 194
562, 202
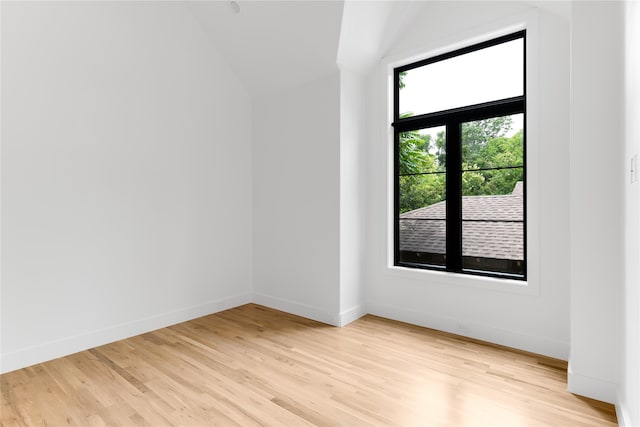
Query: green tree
473, 182
419, 186
484, 147
501, 152
474, 137
413, 154
401, 76
417, 191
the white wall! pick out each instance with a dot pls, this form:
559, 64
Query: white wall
597, 182
352, 141
535, 317
629, 390
296, 199
126, 176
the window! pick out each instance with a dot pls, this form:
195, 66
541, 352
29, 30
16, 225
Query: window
460, 164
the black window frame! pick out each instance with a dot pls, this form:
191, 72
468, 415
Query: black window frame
453, 119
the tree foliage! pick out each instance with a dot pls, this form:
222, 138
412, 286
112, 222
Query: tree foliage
401, 83
420, 184
484, 146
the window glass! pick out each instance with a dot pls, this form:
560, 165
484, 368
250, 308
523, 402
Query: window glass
492, 194
488, 74
422, 194
422, 164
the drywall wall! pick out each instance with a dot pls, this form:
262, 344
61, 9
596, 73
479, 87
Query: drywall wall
629, 389
296, 199
597, 214
352, 141
533, 317
126, 175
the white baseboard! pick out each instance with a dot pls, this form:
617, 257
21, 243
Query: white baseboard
624, 418
593, 388
302, 310
63, 347
350, 315
534, 344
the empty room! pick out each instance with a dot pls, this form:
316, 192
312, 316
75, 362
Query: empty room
358, 213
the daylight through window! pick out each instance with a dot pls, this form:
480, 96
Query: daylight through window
460, 177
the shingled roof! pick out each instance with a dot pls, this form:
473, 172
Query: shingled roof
492, 227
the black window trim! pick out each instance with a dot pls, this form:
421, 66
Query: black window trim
453, 119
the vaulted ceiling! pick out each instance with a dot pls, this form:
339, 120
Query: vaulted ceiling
273, 44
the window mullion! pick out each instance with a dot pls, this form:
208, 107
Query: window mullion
454, 197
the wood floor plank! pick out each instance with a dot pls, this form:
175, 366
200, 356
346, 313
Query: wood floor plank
253, 366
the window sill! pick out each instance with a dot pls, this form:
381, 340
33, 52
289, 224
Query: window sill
440, 278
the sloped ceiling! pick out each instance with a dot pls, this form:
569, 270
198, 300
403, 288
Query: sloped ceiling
370, 28
271, 45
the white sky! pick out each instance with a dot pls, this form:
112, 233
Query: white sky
481, 76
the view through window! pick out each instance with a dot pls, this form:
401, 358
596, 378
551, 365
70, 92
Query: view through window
460, 181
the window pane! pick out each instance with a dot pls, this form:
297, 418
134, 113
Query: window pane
492, 143
492, 222
421, 164
485, 75
422, 193
423, 241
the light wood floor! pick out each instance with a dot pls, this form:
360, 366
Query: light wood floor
256, 366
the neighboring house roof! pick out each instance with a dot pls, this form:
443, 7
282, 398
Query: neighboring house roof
488, 227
